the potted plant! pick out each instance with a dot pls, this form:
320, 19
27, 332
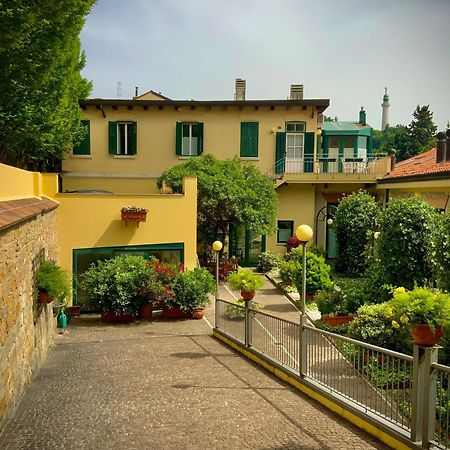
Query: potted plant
246, 281
114, 285
190, 291
424, 311
133, 214
52, 282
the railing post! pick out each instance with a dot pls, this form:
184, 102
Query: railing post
303, 346
424, 395
248, 323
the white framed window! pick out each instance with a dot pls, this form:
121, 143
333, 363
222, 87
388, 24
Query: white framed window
124, 138
190, 139
295, 127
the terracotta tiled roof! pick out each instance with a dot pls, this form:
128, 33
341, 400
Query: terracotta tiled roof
15, 211
423, 164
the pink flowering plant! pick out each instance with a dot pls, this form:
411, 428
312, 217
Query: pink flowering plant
418, 306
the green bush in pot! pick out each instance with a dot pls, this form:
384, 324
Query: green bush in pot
245, 280
53, 280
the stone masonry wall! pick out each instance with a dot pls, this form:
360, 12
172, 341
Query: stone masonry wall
27, 328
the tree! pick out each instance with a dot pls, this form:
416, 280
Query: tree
40, 81
423, 129
230, 192
354, 220
404, 247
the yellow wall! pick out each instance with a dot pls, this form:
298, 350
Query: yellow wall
93, 220
16, 183
295, 202
156, 140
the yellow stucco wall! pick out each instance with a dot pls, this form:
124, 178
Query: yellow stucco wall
295, 202
93, 220
16, 183
156, 140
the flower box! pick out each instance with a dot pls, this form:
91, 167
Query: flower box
133, 214
334, 321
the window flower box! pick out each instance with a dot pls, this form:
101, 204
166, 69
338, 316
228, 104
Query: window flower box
133, 214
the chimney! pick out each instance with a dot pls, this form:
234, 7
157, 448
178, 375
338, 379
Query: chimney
362, 116
296, 92
136, 91
447, 151
441, 147
240, 89
393, 159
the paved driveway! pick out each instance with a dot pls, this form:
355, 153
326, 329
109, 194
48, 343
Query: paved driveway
165, 385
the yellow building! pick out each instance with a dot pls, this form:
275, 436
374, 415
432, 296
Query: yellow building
129, 143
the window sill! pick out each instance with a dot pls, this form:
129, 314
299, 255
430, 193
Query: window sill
187, 157
81, 156
281, 244
249, 158
124, 156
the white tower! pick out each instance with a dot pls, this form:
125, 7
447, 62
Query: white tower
385, 105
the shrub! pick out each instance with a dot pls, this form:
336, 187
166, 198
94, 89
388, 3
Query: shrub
191, 288
443, 253
245, 280
342, 298
53, 280
117, 284
406, 240
268, 261
317, 273
373, 324
286, 270
355, 217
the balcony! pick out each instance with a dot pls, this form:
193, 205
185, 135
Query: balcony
335, 168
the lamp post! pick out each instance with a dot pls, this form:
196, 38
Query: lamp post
303, 233
217, 246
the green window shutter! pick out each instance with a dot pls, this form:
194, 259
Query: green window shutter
132, 149
280, 152
249, 139
200, 139
112, 134
84, 147
178, 134
308, 152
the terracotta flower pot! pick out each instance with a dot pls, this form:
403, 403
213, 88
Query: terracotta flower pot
175, 313
44, 297
425, 336
198, 314
146, 311
334, 321
247, 295
74, 310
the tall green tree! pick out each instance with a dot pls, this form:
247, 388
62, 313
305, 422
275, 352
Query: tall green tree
423, 129
230, 192
408, 141
40, 81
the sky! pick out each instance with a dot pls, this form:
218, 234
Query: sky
346, 51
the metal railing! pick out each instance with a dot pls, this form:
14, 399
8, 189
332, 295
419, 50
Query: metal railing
441, 438
409, 395
376, 379
379, 165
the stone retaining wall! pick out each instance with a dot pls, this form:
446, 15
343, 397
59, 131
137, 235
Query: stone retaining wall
27, 328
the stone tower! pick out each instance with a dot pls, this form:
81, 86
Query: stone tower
385, 105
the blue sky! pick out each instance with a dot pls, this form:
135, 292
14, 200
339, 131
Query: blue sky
344, 50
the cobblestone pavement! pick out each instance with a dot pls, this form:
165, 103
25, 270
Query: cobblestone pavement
165, 385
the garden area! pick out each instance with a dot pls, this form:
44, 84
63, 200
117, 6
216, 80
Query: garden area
391, 273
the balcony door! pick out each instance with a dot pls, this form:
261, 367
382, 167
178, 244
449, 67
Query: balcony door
295, 144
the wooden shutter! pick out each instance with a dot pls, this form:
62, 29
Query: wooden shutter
112, 134
200, 139
178, 134
132, 146
308, 152
84, 146
280, 152
249, 139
